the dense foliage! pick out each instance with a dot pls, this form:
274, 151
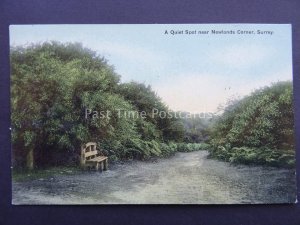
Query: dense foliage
58, 92
144, 99
52, 87
257, 128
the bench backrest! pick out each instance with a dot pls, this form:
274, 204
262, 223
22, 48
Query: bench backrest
89, 151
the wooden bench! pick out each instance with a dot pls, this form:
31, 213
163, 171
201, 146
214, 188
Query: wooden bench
91, 157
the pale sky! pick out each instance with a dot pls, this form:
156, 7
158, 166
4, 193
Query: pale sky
195, 72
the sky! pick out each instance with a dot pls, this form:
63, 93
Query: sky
193, 72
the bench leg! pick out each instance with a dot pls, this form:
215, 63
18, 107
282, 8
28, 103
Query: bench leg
105, 164
101, 166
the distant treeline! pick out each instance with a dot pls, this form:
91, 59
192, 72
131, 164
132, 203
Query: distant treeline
257, 129
52, 85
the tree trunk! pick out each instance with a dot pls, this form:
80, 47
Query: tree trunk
30, 159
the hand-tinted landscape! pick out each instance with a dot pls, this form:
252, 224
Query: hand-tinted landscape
191, 117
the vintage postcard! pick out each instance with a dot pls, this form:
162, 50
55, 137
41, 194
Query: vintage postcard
152, 114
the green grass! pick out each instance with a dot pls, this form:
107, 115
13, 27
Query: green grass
146, 150
25, 175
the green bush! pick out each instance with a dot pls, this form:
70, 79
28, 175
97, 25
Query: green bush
189, 147
254, 156
257, 129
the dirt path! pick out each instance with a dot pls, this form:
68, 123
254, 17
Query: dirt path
184, 178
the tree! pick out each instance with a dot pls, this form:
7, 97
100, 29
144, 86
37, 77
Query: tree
51, 84
262, 119
54, 84
144, 99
